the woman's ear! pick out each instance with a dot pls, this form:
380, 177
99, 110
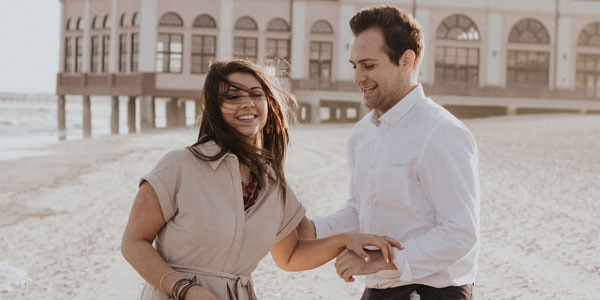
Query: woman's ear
407, 61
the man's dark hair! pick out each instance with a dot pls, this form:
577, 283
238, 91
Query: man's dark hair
400, 30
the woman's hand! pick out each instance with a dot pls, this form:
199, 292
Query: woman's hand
356, 242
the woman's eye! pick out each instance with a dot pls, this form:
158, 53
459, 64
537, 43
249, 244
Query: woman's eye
369, 67
256, 95
231, 97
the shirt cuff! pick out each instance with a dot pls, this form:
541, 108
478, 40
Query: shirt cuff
401, 262
321, 227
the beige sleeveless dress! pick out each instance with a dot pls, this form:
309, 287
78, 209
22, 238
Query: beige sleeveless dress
207, 232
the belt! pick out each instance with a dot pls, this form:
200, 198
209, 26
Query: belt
239, 287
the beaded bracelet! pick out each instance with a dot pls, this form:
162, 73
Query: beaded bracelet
177, 286
181, 287
185, 289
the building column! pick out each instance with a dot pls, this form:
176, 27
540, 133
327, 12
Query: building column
181, 115
493, 75
114, 38
62, 120
148, 32
565, 56
171, 112
85, 63
114, 115
225, 40
153, 111
427, 68
198, 112
131, 114
146, 115
344, 68
298, 40
315, 112
87, 117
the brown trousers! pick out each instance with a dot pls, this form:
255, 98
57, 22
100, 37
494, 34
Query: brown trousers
464, 292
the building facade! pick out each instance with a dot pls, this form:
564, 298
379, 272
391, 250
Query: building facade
145, 49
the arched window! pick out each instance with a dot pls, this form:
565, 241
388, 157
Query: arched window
106, 22
590, 36
321, 26
170, 19
122, 21
204, 21
529, 31
134, 19
78, 24
587, 66
454, 63
204, 43
68, 24
278, 24
458, 27
95, 22
528, 68
278, 47
246, 23
245, 47
169, 47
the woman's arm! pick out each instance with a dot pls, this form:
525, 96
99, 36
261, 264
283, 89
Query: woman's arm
145, 221
293, 254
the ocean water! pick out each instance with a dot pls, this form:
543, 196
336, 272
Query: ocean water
29, 122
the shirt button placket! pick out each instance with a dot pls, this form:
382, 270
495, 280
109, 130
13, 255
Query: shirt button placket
372, 178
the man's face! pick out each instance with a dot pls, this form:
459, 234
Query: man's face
380, 80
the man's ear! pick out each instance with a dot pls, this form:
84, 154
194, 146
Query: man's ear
407, 61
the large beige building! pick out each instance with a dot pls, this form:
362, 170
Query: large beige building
161, 48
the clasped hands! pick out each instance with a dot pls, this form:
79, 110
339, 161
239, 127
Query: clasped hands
355, 260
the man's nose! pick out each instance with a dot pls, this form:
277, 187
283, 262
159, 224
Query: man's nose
359, 76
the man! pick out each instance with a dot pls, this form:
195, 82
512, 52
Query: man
414, 172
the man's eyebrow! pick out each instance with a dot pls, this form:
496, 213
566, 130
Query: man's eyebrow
363, 60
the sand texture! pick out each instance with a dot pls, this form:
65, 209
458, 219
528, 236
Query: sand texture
62, 214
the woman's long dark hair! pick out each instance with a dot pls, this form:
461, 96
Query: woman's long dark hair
213, 126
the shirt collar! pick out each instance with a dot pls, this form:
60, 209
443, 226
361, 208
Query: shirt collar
211, 148
400, 109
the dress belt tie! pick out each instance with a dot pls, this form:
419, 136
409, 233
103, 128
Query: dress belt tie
243, 284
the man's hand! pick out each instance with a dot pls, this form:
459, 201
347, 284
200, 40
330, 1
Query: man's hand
306, 229
349, 264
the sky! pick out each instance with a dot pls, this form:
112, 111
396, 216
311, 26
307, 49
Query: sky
29, 45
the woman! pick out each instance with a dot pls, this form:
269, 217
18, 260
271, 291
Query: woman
216, 208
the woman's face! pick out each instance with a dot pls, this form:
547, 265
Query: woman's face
245, 111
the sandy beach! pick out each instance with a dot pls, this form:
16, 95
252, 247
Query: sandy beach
62, 213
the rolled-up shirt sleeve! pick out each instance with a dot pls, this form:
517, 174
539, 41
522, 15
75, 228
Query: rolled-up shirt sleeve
447, 171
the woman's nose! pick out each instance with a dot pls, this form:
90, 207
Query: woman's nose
247, 101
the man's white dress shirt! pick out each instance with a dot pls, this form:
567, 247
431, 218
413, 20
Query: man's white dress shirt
414, 177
